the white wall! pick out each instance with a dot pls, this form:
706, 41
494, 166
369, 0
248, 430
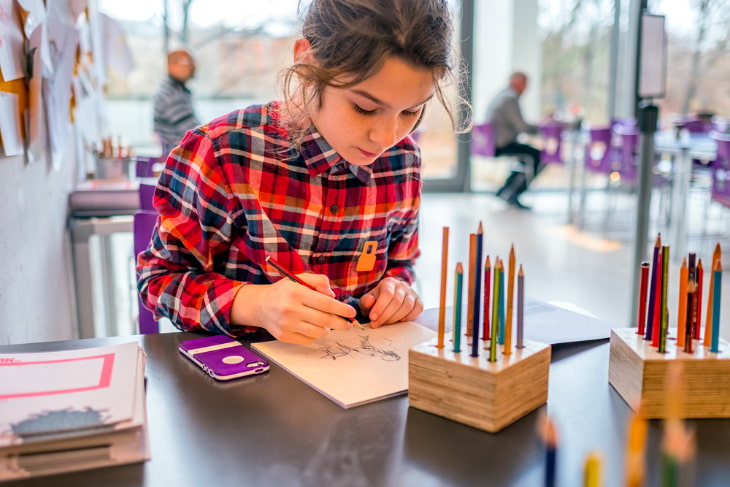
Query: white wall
36, 290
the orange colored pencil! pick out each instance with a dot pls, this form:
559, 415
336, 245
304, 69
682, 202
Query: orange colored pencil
716, 257
442, 297
510, 303
682, 305
472, 284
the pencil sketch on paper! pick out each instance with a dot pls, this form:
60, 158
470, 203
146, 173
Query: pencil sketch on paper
359, 347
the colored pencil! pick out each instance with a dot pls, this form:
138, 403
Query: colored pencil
641, 318
717, 291
285, 273
698, 297
635, 450
663, 328
510, 302
520, 308
716, 256
501, 304
592, 470
692, 267
657, 302
550, 438
494, 336
653, 290
477, 291
487, 287
688, 335
458, 282
442, 296
470, 290
682, 304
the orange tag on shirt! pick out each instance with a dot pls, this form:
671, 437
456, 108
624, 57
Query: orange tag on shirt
366, 262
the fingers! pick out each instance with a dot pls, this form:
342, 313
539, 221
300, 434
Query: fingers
296, 314
319, 282
394, 301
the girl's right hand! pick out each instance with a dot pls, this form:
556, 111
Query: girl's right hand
291, 312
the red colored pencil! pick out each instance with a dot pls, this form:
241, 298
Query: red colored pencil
698, 298
657, 302
487, 285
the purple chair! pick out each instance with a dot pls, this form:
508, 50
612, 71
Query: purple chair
144, 223
599, 153
721, 170
482, 140
145, 166
627, 137
552, 143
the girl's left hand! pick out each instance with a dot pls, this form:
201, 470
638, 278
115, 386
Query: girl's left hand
392, 300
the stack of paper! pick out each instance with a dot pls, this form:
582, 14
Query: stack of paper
72, 410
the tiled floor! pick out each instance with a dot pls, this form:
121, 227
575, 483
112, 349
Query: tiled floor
590, 268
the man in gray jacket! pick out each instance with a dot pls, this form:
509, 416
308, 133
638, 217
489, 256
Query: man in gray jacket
506, 117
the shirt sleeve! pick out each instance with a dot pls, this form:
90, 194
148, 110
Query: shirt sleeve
176, 274
514, 114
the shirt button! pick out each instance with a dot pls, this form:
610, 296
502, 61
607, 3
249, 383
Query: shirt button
334, 209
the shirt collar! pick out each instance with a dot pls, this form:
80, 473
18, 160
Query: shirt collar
319, 157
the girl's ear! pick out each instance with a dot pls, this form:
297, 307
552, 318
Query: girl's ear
303, 52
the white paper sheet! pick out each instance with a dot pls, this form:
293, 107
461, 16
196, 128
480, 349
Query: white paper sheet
9, 126
353, 367
49, 392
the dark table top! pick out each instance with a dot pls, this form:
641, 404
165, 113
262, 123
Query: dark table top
273, 430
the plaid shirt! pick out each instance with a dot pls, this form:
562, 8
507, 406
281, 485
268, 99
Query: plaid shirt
234, 191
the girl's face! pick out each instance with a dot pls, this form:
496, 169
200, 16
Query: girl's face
364, 120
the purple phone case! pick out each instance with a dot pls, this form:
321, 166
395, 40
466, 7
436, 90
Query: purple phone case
223, 358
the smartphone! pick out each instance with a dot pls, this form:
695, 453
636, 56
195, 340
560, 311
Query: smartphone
223, 358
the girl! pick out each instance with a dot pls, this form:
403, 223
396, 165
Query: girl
327, 182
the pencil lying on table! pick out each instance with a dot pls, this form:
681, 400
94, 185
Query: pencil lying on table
286, 273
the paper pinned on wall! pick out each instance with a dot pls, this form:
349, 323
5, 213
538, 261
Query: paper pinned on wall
12, 60
352, 367
12, 141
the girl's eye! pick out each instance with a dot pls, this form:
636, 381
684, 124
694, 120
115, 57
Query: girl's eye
362, 111
414, 113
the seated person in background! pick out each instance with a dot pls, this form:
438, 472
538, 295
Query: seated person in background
506, 117
326, 181
173, 107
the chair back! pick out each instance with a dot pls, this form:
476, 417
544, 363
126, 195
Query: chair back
721, 170
696, 126
598, 153
482, 140
628, 142
145, 166
146, 193
552, 143
143, 225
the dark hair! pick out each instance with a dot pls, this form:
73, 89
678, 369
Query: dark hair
355, 37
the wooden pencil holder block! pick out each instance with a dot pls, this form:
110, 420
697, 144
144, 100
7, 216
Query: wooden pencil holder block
474, 391
638, 372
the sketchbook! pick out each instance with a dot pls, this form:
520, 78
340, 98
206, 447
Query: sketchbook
377, 358
72, 410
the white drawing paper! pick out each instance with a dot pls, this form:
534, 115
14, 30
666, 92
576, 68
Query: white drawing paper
352, 367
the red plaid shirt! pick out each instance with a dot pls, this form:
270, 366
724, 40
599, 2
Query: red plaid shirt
234, 191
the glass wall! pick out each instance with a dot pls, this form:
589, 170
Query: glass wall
240, 49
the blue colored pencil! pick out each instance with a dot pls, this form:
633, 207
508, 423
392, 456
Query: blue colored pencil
717, 290
458, 280
501, 306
